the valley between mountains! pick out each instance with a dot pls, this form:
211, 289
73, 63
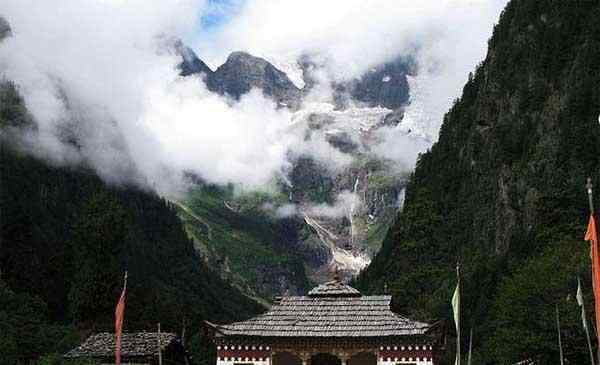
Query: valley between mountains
332, 209
220, 186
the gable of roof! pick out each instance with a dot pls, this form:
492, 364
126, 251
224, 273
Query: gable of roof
134, 344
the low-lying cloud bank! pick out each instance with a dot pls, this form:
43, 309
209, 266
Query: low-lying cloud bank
346, 204
104, 74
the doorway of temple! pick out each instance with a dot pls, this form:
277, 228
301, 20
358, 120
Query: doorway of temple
325, 359
363, 358
286, 358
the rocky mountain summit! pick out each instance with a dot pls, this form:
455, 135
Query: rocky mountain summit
241, 73
384, 85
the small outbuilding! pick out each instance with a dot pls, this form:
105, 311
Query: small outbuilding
136, 348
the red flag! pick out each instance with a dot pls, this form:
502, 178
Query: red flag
592, 236
119, 313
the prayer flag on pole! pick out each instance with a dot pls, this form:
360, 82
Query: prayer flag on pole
119, 313
456, 309
592, 236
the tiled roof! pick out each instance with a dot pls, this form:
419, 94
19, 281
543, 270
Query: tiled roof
132, 344
330, 310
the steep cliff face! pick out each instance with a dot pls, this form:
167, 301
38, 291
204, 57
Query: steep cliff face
503, 189
384, 85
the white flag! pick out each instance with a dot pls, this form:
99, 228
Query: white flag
580, 302
584, 320
470, 347
456, 309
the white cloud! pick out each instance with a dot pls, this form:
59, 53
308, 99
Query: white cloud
352, 34
88, 67
447, 38
286, 211
101, 70
346, 203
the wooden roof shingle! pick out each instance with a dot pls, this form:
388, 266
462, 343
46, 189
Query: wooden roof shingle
330, 310
135, 344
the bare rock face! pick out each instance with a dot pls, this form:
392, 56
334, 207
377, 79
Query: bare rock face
190, 63
243, 72
384, 85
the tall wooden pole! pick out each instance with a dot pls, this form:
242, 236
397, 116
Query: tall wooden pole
183, 333
470, 346
560, 349
159, 343
584, 321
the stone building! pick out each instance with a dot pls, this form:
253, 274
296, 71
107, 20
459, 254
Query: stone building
333, 325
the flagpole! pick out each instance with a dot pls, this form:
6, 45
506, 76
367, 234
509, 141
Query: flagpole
470, 346
581, 302
159, 352
560, 349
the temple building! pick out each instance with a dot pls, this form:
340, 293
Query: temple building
333, 325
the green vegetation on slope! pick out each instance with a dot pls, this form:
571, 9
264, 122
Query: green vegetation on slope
252, 248
503, 191
66, 238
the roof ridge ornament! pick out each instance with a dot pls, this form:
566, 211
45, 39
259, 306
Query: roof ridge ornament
334, 289
336, 274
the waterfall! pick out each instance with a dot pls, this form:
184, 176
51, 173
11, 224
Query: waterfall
352, 209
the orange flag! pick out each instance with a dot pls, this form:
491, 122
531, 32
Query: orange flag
592, 236
119, 313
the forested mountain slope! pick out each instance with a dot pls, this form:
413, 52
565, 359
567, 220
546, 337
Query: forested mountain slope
66, 237
503, 191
